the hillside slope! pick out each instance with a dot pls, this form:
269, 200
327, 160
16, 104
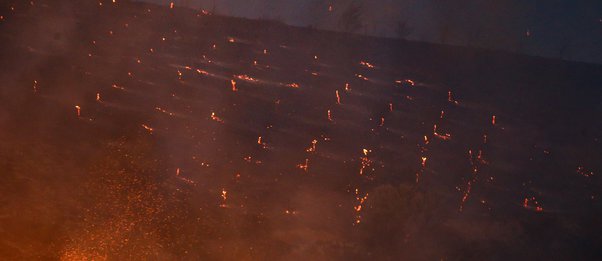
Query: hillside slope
139, 132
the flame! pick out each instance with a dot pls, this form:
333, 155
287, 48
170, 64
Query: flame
293, 85
312, 148
164, 111
338, 97
233, 82
445, 136
245, 77
78, 110
360, 205
366, 64
149, 129
304, 166
215, 118
365, 162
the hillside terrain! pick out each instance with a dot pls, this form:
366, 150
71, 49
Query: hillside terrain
131, 131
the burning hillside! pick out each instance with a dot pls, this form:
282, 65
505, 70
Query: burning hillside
133, 132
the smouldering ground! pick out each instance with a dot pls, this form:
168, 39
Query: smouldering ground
139, 132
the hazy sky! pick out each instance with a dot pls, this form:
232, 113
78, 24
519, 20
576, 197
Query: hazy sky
553, 28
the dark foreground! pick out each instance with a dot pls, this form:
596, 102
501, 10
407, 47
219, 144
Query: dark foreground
167, 160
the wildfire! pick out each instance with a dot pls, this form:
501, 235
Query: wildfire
338, 97
450, 98
329, 114
304, 166
312, 148
247, 78
360, 204
78, 110
233, 82
366, 64
362, 77
293, 85
224, 195
215, 118
35, 86
183, 178
164, 111
118, 87
445, 136
149, 129
406, 81
475, 163
532, 203
493, 120
98, 97
583, 172
365, 162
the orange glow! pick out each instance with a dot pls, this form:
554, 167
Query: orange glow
293, 85
245, 77
78, 110
233, 82
312, 148
367, 64
304, 166
215, 118
149, 129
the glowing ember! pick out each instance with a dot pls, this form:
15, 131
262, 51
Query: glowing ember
292, 85
247, 78
366, 64
360, 203
78, 110
149, 129
365, 162
304, 166
312, 148
233, 82
215, 118
583, 172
